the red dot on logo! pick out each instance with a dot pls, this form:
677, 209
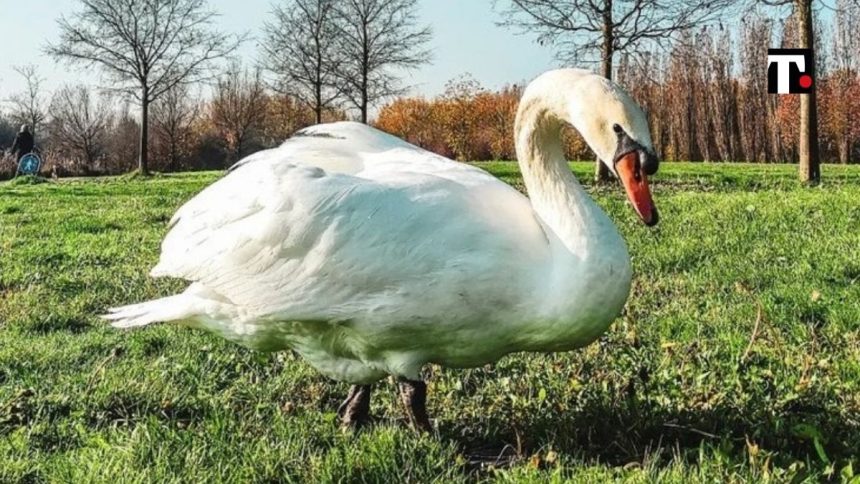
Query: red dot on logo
805, 81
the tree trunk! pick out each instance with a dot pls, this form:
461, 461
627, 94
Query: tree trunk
240, 140
364, 109
365, 68
143, 165
318, 104
601, 172
810, 170
844, 150
364, 103
174, 154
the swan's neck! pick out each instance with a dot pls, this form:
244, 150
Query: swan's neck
589, 276
556, 195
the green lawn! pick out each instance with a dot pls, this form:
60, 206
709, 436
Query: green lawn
737, 357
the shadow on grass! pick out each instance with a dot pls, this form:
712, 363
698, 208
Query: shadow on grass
637, 431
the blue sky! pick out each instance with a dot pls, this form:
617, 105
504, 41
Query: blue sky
465, 39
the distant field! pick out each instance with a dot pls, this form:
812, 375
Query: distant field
737, 357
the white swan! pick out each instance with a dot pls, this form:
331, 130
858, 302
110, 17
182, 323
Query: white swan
372, 257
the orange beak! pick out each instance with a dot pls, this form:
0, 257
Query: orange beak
635, 182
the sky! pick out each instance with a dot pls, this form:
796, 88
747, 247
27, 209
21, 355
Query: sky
465, 40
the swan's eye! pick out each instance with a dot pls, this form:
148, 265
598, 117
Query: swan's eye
617, 129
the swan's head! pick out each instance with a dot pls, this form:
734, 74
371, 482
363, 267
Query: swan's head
609, 120
616, 129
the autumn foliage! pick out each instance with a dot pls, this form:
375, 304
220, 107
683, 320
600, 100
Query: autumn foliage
467, 122
706, 100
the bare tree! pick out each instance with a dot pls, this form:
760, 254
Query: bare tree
808, 151
758, 135
238, 108
681, 73
846, 48
585, 30
78, 125
377, 38
846, 64
173, 116
722, 95
301, 50
460, 118
28, 106
144, 46
122, 139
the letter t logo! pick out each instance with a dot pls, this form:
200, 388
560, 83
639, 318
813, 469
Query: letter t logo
789, 71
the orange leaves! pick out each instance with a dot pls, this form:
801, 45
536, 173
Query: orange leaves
838, 97
417, 121
788, 119
839, 108
467, 122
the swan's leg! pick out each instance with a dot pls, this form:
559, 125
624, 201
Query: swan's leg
341, 410
355, 410
414, 397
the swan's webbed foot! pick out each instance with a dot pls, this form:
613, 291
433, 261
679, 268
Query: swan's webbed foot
354, 412
414, 397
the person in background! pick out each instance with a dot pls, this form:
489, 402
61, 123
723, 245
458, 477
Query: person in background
23, 143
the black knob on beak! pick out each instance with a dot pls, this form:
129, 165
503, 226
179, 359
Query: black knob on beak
650, 162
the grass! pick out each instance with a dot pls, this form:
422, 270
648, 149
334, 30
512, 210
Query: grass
736, 359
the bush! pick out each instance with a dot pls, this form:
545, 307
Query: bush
467, 122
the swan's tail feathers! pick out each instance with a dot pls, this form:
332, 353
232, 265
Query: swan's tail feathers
174, 308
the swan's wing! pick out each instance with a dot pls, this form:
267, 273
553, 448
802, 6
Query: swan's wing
358, 149
343, 147
279, 238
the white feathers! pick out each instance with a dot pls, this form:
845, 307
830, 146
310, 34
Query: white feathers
370, 256
173, 308
598, 103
